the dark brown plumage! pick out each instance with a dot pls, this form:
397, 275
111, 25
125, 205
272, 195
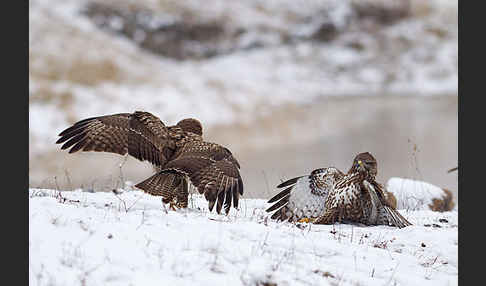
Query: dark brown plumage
357, 197
178, 152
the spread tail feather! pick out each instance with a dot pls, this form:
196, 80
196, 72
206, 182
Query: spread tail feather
395, 218
165, 184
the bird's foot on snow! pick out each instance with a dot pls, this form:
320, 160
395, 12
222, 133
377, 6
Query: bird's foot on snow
306, 220
173, 206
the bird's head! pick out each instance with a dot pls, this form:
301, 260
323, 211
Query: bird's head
191, 125
365, 163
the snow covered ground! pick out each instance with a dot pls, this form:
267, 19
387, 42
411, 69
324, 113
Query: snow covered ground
83, 238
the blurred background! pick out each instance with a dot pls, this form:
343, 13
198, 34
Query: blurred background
288, 86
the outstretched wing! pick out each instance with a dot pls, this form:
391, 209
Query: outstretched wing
304, 196
282, 199
213, 170
140, 134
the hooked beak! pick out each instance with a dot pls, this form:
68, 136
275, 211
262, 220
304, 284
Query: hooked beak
360, 165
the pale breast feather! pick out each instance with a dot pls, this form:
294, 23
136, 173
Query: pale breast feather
297, 201
303, 202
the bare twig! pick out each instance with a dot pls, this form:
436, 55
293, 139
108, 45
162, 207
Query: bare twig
453, 169
266, 182
124, 204
393, 274
122, 178
66, 172
143, 218
415, 150
123, 201
55, 181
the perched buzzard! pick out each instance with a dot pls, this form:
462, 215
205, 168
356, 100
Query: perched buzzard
357, 197
178, 153
303, 197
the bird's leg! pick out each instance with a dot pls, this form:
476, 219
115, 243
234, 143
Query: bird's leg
306, 220
173, 205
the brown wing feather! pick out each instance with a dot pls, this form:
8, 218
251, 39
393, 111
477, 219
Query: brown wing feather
392, 216
139, 134
343, 202
213, 170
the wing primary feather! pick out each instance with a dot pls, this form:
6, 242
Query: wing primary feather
221, 195
229, 195
276, 215
76, 126
279, 204
86, 120
236, 194
73, 141
280, 195
289, 182
78, 145
220, 201
396, 218
240, 185
211, 204
69, 135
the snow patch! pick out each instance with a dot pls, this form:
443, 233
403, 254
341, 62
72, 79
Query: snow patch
130, 239
413, 194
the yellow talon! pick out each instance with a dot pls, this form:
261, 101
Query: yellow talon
172, 206
306, 220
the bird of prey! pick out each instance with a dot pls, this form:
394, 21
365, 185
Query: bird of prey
357, 197
178, 153
303, 197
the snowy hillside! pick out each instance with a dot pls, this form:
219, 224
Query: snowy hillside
78, 70
83, 238
268, 79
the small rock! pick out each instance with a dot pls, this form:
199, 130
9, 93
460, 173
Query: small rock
110, 236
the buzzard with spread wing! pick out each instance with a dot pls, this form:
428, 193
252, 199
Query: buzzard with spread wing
178, 152
303, 197
357, 197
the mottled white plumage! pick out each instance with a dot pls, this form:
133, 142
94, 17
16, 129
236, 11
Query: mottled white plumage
305, 196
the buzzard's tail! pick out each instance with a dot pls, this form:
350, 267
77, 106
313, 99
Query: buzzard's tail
168, 184
395, 218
